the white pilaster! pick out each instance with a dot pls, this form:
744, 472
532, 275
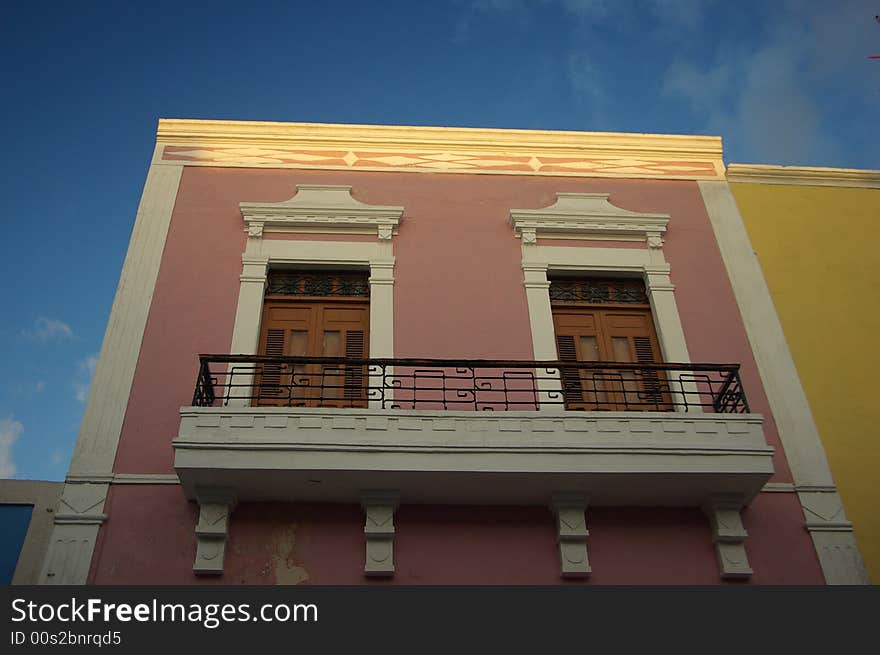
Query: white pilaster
73, 540
77, 521
837, 549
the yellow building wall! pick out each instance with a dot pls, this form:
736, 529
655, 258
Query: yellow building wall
818, 247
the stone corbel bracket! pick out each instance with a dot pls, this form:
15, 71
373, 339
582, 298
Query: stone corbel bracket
215, 508
321, 209
379, 508
729, 536
571, 534
587, 216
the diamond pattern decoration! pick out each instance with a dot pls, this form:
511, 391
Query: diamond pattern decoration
608, 166
445, 156
579, 164
395, 160
447, 165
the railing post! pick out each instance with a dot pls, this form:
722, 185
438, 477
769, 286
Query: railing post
203, 395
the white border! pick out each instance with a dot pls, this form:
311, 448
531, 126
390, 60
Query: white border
823, 508
81, 507
649, 263
261, 254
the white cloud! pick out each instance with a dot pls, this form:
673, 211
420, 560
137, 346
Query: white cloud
56, 457
772, 97
775, 81
10, 431
39, 386
81, 391
49, 329
590, 21
86, 372
88, 364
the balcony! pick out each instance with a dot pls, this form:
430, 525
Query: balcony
470, 431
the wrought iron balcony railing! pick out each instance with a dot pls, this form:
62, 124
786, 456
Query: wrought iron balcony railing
490, 385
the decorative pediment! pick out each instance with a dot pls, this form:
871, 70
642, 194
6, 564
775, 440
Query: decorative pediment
587, 216
323, 209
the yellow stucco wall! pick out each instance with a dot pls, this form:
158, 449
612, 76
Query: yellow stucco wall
818, 247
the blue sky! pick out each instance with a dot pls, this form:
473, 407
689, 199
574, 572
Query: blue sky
84, 84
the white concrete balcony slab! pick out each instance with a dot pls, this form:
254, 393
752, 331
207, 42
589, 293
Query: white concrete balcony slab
315, 454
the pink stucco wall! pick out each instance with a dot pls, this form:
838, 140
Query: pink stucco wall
458, 280
458, 293
324, 544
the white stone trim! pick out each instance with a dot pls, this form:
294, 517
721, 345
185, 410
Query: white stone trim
379, 508
586, 215
215, 508
590, 216
262, 253
779, 487
108, 399
729, 536
252, 285
146, 478
73, 541
571, 534
318, 209
324, 209
79, 516
649, 263
832, 536
125, 478
791, 410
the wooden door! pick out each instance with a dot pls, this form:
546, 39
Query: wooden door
623, 335
313, 329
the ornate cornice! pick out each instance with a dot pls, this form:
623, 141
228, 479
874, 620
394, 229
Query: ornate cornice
321, 208
439, 149
804, 175
586, 216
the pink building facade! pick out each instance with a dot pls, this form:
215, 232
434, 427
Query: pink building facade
370, 247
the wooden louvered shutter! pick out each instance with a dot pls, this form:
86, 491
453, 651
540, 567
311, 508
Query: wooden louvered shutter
297, 327
590, 334
270, 381
630, 335
344, 333
354, 375
287, 331
652, 384
572, 391
578, 339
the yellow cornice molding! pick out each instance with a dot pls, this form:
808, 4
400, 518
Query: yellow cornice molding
210, 132
804, 175
616, 154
